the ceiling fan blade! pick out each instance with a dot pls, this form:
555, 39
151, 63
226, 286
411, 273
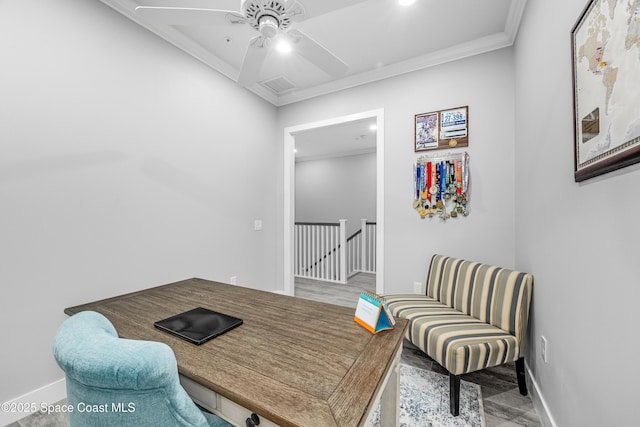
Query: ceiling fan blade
317, 54
186, 16
295, 10
194, 4
253, 60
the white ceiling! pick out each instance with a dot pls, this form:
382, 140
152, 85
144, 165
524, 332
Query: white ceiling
343, 139
375, 38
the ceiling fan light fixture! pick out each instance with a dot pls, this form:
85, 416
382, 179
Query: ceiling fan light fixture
268, 26
283, 45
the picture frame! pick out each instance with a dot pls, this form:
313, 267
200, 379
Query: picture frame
426, 131
605, 47
441, 129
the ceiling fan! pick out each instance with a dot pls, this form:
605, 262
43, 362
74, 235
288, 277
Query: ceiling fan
270, 18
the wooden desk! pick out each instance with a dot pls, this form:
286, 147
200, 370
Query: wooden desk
294, 362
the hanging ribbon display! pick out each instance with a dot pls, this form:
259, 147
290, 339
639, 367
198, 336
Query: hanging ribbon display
441, 186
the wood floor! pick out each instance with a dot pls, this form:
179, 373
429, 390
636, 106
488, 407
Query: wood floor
503, 404
336, 293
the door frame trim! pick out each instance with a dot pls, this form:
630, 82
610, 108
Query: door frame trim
289, 192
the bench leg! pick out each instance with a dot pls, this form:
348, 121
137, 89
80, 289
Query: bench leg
454, 394
522, 382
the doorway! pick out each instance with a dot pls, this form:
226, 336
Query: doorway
289, 191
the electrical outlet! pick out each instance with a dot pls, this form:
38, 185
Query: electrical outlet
543, 349
417, 287
233, 280
257, 225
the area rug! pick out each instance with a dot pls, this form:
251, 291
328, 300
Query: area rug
424, 401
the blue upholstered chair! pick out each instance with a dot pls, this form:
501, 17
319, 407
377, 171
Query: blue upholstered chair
118, 382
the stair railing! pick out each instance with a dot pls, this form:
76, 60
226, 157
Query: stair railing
319, 253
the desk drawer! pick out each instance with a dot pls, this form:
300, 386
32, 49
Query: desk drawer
204, 397
221, 406
238, 414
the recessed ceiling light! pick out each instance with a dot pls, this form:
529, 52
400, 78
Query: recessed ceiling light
406, 2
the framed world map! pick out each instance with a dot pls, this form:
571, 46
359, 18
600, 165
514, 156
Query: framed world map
606, 87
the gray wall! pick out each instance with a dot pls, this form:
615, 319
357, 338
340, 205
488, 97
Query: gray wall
123, 165
579, 240
328, 190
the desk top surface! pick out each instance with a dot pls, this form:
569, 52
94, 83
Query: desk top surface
295, 362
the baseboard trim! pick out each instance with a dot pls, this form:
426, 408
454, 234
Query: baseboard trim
538, 401
47, 394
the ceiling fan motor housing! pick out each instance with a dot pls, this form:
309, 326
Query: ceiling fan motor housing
267, 16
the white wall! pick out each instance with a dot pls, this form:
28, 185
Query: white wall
579, 240
328, 190
485, 83
123, 165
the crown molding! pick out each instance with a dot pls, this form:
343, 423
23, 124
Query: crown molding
461, 51
516, 11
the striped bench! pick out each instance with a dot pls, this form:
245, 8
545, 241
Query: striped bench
472, 317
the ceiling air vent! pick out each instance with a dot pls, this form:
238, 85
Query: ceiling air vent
279, 85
